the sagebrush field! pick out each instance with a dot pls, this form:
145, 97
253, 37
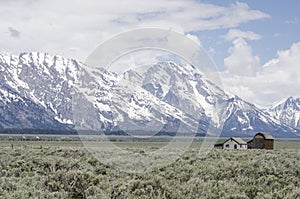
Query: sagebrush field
66, 170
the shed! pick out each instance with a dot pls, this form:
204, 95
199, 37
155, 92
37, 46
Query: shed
232, 143
261, 140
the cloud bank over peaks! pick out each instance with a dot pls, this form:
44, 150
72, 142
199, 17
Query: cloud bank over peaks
241, 60
75, 28
236, 33
277, 79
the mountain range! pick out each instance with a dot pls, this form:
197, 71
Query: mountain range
287, 111
41, 91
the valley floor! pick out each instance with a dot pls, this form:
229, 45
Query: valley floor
65, 169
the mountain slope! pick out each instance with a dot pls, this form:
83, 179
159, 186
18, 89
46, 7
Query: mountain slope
287, 112
38, 90
242, 116
186, 89
20, 107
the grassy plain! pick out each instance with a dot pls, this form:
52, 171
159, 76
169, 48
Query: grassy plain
65, 169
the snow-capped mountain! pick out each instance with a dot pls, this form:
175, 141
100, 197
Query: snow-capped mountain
187, 89
287, 112
183, 88
32, 92
41, 91
242, 116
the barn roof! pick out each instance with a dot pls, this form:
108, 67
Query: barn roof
267, 136
239, 140
236, 139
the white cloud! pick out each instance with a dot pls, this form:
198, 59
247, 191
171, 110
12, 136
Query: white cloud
236, 33
137, 59
58, 26
278, 78
241, 61
194, 38
283, 71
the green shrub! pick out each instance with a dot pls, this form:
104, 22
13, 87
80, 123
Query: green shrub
75, 173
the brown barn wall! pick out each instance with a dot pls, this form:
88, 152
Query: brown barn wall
258, 143
270, 144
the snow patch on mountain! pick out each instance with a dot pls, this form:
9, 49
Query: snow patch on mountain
287, 112
37, 90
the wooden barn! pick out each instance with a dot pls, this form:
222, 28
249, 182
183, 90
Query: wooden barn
261, 141
232, 143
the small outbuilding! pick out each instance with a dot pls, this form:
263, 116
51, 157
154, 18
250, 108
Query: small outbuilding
232, 143
261, 141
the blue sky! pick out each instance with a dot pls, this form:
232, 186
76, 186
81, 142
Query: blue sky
255, 44
278, 32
